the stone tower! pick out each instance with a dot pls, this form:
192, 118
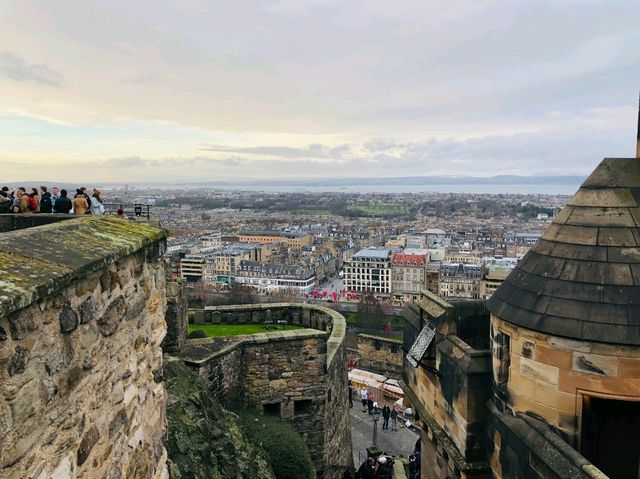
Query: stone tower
565, 328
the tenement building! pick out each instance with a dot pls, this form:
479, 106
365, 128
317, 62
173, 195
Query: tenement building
551, 387
275, 277
460, 280
408, 276
369, 271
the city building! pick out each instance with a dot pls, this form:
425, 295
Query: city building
273, 278
369, 271
495, 272
460, 280
408, 275
291, 240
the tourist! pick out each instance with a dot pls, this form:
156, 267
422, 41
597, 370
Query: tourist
33, 202
83, 190
80, 204
364, 396
96, 206
386, 412
394, 418
5, 203
46, 203
55, 194
367, 469
370, 403
63, 204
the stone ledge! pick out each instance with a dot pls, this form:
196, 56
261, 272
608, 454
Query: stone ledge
380, 338
39, 261
200, 351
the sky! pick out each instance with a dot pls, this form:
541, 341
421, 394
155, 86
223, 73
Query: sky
184, 90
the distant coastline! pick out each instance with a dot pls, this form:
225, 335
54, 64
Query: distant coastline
505, 184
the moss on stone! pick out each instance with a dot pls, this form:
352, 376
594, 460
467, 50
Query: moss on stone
40, 261
206, 441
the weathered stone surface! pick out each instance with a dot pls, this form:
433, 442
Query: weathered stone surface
55, 417
3, 334
87, 310
90, 438
18, 360
108, 323
68, 319
136, 305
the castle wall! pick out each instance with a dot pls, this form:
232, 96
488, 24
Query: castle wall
301, 373
381, 355
547, 375
81, 323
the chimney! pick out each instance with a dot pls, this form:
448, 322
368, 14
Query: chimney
638, 136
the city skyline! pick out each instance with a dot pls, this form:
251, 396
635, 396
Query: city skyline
195, 90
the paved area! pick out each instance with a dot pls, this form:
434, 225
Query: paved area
397, 442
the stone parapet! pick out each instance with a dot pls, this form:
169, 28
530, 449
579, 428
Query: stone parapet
82, 306
298, 375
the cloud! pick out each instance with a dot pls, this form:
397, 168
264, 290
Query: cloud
16, 68
310, 151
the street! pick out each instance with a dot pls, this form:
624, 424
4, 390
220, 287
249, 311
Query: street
391, 442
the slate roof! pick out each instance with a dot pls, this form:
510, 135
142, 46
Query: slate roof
581, 280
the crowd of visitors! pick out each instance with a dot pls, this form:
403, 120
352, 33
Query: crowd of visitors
41, 200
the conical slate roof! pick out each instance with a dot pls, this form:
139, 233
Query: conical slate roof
581, 280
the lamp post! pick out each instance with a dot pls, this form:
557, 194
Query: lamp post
376, 416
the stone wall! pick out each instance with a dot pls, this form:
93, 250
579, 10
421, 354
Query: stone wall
380, 355
82, 308
299, 375
176, 316
547, 375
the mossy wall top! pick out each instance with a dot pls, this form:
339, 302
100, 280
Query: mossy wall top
37, 262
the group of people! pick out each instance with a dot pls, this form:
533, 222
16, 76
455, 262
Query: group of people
41, 200
369, 404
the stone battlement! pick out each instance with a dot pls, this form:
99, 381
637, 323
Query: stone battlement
82, 306
298, 375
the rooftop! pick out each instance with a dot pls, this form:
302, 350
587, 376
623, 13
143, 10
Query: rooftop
581, 280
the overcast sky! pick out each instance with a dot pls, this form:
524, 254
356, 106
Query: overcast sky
200, 89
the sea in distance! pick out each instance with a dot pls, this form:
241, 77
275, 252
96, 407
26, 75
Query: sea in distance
493, 189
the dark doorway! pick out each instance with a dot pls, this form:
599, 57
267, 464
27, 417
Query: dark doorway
610, 432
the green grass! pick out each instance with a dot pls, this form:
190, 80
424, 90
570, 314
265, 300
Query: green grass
379, 208
212, 330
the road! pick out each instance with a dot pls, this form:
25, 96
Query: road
395, 443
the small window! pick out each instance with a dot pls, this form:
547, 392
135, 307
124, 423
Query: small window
304, 406
272, 409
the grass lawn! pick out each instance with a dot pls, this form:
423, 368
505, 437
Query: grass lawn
379, 208
212, 330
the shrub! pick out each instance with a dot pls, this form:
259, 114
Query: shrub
285, 450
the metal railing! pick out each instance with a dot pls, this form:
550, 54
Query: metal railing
134, 210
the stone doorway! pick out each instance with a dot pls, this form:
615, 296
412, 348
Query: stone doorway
610, 431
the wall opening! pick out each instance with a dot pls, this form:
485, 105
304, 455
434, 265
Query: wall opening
303, 406
610, 429
272, 409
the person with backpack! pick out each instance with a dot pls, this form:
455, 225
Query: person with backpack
33, 202
46, 204
63, 204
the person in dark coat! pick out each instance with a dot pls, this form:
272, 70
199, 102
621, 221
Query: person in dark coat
46, 204
63, 204
386, 413
370, 405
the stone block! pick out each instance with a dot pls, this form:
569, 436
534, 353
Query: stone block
553, 357
109, 322
18, 360
68, 319
216, 317
20, 325
524, 404
538, 371
90, 438
595, 364
87, 310
552, 397
629, 367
